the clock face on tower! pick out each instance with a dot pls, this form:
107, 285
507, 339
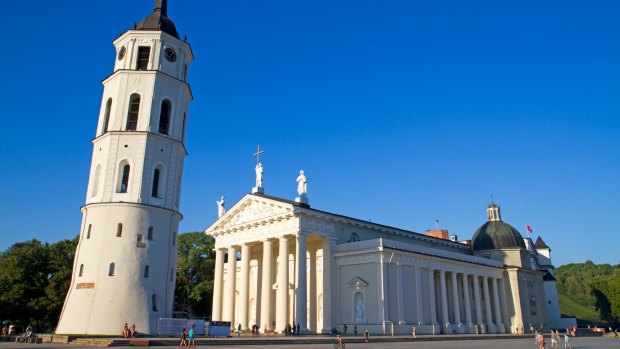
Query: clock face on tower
170, 55
121, 53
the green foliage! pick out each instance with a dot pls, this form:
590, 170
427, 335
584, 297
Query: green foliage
34, 279
592, 286
572, 309
195, 267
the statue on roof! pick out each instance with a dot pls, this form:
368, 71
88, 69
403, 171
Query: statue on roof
302, 184
220, 207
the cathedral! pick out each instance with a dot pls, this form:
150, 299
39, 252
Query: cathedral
280, 262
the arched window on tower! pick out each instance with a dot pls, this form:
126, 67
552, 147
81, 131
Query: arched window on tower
132, 113
96, 180
111, 269
123, 183
149, 233
119, 230
81, 270
106, 116
155, 189
154, 301
164, 117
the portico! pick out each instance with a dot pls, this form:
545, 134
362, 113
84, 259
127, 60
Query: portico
322, 270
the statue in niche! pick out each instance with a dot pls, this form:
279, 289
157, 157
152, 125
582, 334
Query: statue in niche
259, 175
220, 207
302, 184
360, 307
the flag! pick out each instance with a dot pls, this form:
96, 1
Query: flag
528, 228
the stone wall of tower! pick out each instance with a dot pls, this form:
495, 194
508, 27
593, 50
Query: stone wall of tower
125, 264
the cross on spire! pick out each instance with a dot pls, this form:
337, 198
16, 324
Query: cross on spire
257, 154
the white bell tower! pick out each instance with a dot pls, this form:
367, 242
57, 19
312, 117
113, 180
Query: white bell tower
125, 264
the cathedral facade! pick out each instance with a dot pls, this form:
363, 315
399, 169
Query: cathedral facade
280, 262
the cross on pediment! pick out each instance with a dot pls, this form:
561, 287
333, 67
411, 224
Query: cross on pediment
257, 154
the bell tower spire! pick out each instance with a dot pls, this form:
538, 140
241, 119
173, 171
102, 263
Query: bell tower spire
162, 6
493, 214
126, 259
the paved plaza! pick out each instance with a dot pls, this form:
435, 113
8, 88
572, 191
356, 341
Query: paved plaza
578, 343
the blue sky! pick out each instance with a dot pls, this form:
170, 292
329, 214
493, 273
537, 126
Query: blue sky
400, 112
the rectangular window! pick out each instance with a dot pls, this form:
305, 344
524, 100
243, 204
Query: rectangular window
119, 230
90, 226
154, 300
171, 274
174, 238
146, 271
150, 234
144, 53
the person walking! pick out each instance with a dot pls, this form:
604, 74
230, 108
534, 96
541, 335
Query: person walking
366, 336
192, 336
567, 342
554, 340
413, 333
183, 337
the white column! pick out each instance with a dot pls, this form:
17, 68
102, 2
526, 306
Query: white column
445, 319
400, 305
477, 298
301, 295
229, 306
327, 293
502, 300
312, 291
455, 299
487, 303
217, 285
498, 313
431, 296
265, 295
418, 296
382, 297
244, 288
282, 292
467, 299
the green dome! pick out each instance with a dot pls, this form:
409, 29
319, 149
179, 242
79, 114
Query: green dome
496, 235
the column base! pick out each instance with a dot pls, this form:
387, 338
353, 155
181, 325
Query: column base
447, 328
460, 328
491, 328
259, 190
500, 328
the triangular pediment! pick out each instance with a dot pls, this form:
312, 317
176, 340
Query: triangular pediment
250, 209
357, 283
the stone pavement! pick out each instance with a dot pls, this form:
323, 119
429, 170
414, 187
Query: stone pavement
444, 342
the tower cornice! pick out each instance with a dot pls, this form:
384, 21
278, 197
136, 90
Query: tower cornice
148, 133
147, 72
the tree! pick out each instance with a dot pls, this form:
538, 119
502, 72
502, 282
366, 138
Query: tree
195, 268
34, 279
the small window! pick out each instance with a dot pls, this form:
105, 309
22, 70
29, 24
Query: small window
171, 274
96, 180
125, 178
144, 53
90, 226
354, 237
174, 238
140, 238
184, 124
111, 270
164, 117
155, 189
106, 116
185, 73
146, 271
132, 112
149, 235
154, 300
81, 270
119, 230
